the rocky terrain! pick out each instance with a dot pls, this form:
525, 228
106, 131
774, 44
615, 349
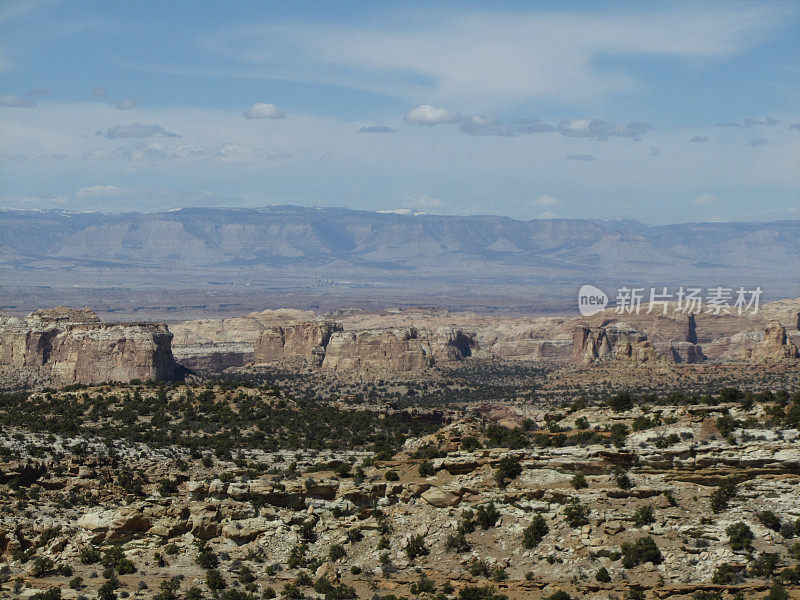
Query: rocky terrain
234, 490
73, 346
420, 338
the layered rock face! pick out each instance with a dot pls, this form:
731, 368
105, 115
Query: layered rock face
326, 344
622, 342
672, 337
774, 346
408, 349
73, 346
301, 340
396, 349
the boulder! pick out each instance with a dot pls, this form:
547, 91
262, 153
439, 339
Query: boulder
116, 523
440, 498
247, 530
205, 521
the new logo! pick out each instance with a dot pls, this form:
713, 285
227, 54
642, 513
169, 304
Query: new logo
591, 300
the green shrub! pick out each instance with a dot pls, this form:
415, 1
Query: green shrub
215, 580
53, 593
644, 515
246, 575
336, 552
621, 477
577, 514
579, 481
90, 556
471, 592
724, 493
487, 515
457, 542
426, 468
725, 575
41, 566
507, 469
423, 586
207, 559
641, 551
765, 565
770, 520
534, 533
740, 536
559, 595
602, 575
392, 476
416, 547
621, 402
619, 432
777, 592
794, 551
470, 443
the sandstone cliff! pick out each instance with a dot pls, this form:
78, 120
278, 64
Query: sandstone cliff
774, 346
621, 342
73, 346
675, 337
301, 340
408, 349
326, 344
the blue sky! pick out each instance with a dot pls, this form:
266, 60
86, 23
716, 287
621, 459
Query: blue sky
663, 112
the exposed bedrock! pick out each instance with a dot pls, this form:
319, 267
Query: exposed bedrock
73, 346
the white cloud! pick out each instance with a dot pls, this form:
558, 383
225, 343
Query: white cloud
707, 200
226, 153
135, 130
99, 191
501, 56
377, 129
262, 110
478, 175
98, 92
548, 214
546, 200
600, 130
425, 114
126, 104
16, 101
531, 126
485, 124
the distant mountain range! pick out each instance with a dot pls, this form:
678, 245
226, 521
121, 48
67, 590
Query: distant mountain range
296, 246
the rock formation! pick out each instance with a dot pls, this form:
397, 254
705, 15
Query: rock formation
73, 346
396, 349
407, 349
622, 342
301, 340
326, 344
670, 337
774, 346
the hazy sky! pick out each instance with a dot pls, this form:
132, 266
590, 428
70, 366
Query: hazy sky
664, 112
